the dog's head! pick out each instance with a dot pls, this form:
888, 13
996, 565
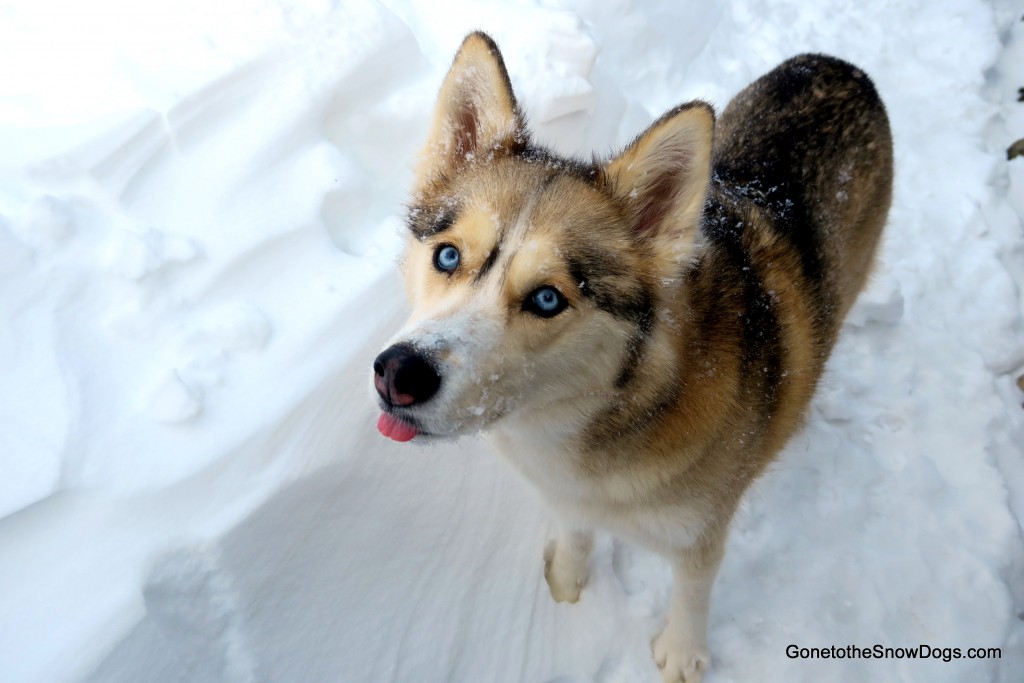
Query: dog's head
535, 281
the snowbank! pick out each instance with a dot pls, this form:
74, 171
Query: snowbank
200, 214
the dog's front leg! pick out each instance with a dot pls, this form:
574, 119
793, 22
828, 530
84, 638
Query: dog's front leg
681, 651
565, 564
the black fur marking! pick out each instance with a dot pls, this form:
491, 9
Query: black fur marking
644, 325
602, 280
605, 283
762, 354
579, 276
777, 189
425, 222
488, 263
586, 171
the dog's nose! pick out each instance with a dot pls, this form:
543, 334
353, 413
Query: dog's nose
404, 377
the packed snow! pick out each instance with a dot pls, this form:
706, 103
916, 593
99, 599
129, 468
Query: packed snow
200, 224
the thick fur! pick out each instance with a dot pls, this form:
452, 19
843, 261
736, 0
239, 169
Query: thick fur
707, 270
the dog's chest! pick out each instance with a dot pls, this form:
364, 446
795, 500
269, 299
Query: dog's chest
612, 503
552, 470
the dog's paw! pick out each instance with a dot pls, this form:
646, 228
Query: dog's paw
680, 661
565, 576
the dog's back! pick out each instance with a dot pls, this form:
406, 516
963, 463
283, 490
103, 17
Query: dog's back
810, 142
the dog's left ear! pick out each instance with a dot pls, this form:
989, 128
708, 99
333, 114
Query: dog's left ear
476, 112
662, 178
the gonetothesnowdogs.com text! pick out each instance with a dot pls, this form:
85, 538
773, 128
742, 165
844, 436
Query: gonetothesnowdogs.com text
946, 654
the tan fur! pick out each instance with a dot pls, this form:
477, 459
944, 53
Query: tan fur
701, 309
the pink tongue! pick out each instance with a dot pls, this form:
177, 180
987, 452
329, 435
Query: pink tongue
393, 428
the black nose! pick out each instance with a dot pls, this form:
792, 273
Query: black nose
404, 377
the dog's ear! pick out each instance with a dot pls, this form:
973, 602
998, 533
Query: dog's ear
476, 112
662, 178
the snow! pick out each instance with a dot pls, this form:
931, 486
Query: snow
200, 219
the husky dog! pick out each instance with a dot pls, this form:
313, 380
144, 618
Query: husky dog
637, 336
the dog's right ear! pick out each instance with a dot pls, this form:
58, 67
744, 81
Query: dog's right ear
476, 112
662, 179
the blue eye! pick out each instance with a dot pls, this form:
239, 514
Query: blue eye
546, 302
446, 258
